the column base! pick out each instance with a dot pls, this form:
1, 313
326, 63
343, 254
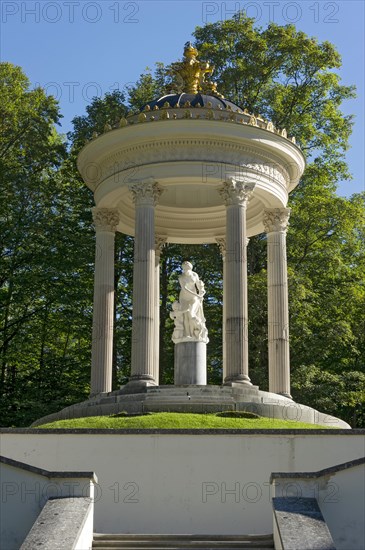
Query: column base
138, 385
284, 394
239, 379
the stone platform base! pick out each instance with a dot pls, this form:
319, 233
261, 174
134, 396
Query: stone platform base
195, 399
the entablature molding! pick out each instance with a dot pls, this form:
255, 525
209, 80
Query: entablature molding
128, 160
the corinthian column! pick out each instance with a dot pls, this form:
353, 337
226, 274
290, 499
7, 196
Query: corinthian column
276, 223
159, 244
236, 195
105, 221
145, 196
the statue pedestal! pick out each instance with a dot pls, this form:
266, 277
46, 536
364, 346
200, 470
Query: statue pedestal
190, 366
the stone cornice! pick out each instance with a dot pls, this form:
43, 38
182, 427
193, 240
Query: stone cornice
189, 112
202, 150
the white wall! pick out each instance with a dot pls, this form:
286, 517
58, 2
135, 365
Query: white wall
183, 483
344, 509
18, 508
23, 495
341, 498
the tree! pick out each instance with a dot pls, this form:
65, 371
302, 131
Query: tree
46, 273
286, 76
106, 110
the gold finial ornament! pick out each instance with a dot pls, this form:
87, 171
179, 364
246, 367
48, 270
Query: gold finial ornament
190, 73
164, 115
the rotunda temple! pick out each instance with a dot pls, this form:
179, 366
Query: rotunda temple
191, 167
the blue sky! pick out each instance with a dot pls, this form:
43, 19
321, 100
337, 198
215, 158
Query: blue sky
77, 49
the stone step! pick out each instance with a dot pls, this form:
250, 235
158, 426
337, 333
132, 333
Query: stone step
185, 398
190, 392
190, 389
180, 542
123, 546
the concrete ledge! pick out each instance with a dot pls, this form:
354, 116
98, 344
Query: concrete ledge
197, 432
60, 525
321, 473
299, 525
46, 473
25, 491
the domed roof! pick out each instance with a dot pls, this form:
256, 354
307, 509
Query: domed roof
197, 98
193, 100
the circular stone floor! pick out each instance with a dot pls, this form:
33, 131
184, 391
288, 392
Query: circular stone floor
196, 399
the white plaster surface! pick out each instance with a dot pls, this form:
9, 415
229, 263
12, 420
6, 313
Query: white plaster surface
341, 498
24, 493
184, 483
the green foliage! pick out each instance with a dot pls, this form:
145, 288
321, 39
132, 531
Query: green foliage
238, 414
102, 110
148, 87
45, 262
283, 74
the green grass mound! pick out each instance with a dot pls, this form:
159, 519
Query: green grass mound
180, 421
238, 414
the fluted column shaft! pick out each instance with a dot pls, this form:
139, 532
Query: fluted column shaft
221, 241
145, 195
159, 244
276, 223
236, 195
106, 221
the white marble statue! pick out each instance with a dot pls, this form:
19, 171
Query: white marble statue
187, 313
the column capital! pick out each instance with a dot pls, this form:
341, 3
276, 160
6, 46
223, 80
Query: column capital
145, 192
221, 242
276, 219
160, 242
105, 219
236, 192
